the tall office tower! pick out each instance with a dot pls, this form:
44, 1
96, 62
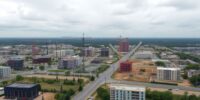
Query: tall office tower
172, 74
104, 52
16, 62
126, 92
35, 50
123, 45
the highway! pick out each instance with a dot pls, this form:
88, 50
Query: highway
103, 77
155, 85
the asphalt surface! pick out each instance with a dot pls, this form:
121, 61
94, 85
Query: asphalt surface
103, 77
155, 85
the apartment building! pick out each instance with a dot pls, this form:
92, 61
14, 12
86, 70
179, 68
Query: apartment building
126, 92
172, 74
5, 71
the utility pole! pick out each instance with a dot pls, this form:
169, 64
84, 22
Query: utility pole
47, 48
83, 47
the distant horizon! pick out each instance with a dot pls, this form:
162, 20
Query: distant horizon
102, 37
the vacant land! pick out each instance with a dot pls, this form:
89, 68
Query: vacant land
46, 96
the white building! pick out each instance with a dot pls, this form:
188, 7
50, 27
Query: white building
172, 74
144, 55
126, 92
5, 72
70, 62
62, 53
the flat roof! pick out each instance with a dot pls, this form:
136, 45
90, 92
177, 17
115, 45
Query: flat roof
4, 67
167, 68
127, 87
21, 85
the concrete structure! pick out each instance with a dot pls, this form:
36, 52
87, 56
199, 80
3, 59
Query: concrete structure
70, 62
5, 71
104, 52
144, 55
41, 59
125, 66
62, 53
170, 74
126, 92
1, 90
191, 73
16, 62
88, 52
22, 91
123, 45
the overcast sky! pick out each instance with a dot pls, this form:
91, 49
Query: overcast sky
100, 18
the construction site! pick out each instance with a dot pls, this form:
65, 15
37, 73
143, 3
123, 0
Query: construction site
139, 70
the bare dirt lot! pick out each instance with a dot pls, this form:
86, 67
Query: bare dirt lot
47, 96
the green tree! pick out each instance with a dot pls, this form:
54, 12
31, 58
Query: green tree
92, 78
160, 63
19, 78
193, 97
103, 93
41, 67
5, 83
80, 88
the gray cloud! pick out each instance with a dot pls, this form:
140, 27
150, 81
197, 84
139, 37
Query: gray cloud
133, 18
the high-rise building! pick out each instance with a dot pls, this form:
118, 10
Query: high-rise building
16, 62
126, 92
123, 45
88, 52
104, 52
70, 62
126, 66
173, 74
5, 71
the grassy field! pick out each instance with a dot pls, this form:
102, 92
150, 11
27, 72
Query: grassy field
52, 85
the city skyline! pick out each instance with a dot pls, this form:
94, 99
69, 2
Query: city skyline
105, 18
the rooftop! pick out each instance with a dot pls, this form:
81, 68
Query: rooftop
1, 67
21, 85
127, 87
167, 68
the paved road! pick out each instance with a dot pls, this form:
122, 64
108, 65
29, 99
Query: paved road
106, 75
155, 85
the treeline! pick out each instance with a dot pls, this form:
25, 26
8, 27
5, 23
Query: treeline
188, 56
156, 95
195, 80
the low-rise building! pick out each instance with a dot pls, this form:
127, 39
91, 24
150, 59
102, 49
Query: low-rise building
170, 74
126, 92
62, 53
144, 55
41, 59
21, 91
5, 71
191, 73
